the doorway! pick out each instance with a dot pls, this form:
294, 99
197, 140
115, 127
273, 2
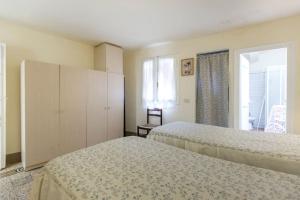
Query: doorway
263, 90
212, 88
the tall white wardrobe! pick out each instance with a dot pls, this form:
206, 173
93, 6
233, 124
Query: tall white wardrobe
65, 108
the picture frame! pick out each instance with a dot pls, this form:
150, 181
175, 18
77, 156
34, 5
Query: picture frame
187, 67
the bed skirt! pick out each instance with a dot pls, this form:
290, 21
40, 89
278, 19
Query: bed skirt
249, 158
45, 188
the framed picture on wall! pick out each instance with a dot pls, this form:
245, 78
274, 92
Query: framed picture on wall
187, 67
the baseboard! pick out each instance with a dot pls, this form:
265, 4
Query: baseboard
35, 166
129, 133
13, 158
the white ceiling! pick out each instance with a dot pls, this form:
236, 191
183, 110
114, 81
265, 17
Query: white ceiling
137, 23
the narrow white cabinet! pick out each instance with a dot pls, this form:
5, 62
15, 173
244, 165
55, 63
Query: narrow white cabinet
96, 107
109, 58
39, 112
115, 114
73, 112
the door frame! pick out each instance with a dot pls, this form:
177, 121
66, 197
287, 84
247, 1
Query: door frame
241, 96
291, 62
3, 105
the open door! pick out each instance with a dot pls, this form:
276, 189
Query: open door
244, 93
263, 91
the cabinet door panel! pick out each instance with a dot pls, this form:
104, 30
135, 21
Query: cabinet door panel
114, 59
73, 99
115, 106
96, 107
39, 112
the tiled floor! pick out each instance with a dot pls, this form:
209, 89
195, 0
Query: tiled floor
16, 186
11, 170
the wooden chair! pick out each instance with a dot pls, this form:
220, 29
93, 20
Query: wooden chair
155, 112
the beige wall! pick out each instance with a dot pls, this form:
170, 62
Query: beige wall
24, 43
279, 31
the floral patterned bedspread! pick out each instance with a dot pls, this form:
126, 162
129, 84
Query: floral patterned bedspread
137, 168
282, 146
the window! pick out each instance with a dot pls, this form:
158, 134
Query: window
159, 82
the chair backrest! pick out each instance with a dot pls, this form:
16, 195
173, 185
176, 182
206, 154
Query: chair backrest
277, 119
154, 112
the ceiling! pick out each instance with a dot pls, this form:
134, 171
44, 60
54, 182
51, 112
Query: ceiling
138, 23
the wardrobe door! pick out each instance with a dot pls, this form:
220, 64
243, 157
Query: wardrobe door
39, 112
115, 106
114, 59
109, 58
96, 107
73, 99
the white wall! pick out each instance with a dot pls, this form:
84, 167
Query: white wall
279, 31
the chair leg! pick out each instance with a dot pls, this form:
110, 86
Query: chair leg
138, 132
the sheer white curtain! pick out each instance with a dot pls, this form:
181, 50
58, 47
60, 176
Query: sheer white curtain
166, 90
2, 107
159, 83
148, 83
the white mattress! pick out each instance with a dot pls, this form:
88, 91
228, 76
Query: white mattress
279, 152
137, 168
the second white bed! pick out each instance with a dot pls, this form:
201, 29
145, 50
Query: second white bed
265, 150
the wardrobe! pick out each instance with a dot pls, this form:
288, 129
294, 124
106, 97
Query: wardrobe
65, 108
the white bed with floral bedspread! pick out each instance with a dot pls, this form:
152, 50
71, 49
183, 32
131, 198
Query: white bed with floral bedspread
279, 152
137, 168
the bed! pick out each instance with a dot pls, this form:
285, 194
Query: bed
137, 168
279, 152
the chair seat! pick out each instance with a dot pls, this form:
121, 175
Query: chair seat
149, 126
